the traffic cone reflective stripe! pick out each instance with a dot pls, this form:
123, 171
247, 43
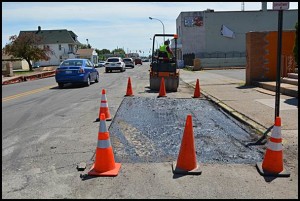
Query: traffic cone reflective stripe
187, 159
272, 164
129, 88
104, 160
104, 107
197, 90
162, 88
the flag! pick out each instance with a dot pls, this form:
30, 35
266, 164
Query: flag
227, 32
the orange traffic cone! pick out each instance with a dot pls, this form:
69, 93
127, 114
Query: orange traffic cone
197, 90
104, 160
187, 160
272, 164
104, 107
129, 88
162, 89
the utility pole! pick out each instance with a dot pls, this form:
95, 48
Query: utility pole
280, 6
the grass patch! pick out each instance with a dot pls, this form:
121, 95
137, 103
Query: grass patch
187, 69
23, 72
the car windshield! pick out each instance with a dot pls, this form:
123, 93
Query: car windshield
72, 63
113, 60
126, 59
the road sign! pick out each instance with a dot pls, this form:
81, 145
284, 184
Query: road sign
281, 5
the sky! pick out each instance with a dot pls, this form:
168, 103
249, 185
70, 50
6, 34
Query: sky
109, 25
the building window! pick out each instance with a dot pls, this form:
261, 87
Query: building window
71, 48
60, 58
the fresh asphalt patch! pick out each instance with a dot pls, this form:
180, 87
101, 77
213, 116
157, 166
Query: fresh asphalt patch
151, 130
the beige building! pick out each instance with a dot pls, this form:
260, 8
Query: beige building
90, 54
17, 64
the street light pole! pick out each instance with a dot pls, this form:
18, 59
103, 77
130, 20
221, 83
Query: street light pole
151, 18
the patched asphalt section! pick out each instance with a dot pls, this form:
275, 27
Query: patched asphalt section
151, 130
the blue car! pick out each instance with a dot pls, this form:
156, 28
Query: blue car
76, 71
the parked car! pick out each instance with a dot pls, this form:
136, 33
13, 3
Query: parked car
138, 61
114, 63
35, 65
128, 62
76, 71
101, 64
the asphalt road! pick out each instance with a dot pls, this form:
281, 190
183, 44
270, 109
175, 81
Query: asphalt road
47, 132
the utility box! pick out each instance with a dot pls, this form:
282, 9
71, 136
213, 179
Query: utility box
197, 64
9, 69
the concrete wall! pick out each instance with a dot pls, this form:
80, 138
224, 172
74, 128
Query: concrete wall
223, 62
207, 38
241, 23
190, 39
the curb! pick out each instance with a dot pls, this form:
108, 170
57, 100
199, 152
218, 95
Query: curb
260, 129
29, 77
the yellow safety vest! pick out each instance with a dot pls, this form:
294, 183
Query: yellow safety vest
163, 48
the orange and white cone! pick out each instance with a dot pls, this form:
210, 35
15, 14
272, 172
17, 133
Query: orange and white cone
197, 90
162, 88
104, 107
104, 160
272, 164
187, 159
129, 88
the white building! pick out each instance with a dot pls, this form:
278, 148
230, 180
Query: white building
63, 43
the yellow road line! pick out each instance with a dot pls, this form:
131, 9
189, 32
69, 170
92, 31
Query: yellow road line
26, 93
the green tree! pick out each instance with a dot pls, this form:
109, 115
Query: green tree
118, 51
101, 53
296, 45
26, 46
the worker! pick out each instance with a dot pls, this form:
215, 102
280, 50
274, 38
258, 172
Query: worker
166, 49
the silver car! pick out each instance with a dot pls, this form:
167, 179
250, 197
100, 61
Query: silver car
114, 63
129, 62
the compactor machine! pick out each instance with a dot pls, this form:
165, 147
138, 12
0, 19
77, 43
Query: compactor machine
162, 66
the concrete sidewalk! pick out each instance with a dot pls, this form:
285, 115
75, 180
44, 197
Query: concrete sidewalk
250, 102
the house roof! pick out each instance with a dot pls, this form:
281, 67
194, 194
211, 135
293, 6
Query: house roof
55, 36
85, 52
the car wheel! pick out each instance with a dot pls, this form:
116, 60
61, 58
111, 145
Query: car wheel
97, 78
60, 85
106, 70
88, 83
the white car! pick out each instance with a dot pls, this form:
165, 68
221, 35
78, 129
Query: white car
115, 63
129, 62
101, 64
